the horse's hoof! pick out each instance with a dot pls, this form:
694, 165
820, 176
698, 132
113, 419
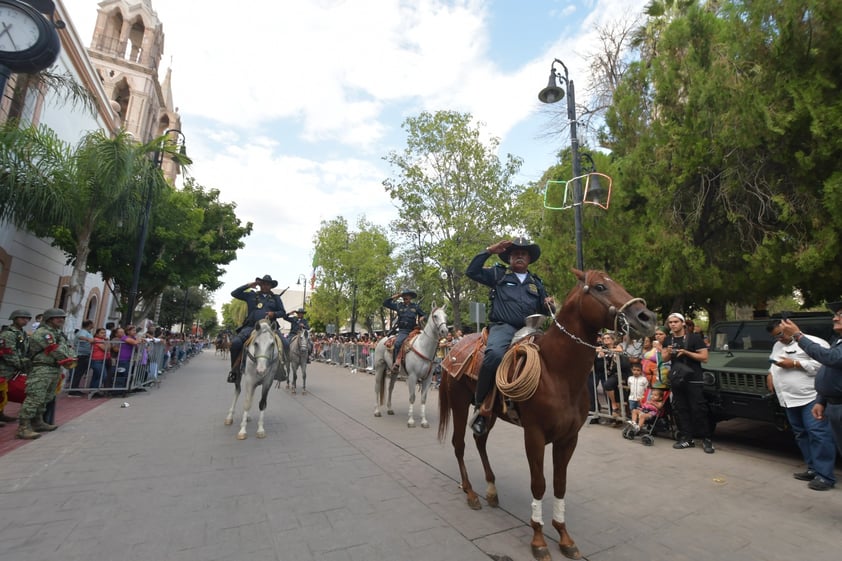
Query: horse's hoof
390, 412
229, 422
425, 425
292, 391
541, 553
493, 500
410, 423
304, 391
241, 436
261, 434
378, 414
474, 504
570, 551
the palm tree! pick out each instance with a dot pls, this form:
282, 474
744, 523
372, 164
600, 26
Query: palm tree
51, 188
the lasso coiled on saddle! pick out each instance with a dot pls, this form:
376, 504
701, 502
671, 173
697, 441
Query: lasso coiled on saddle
524, 363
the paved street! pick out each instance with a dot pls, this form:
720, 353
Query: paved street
165, 480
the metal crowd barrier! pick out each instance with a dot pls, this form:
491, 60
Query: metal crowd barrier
144, 367
347, 355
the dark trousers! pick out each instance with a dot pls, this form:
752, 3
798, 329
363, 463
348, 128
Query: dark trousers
237, 343
691, 410
499, 337
82, 362
399, 340
814, 438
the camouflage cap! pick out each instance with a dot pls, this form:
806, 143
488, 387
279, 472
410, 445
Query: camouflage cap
20, 314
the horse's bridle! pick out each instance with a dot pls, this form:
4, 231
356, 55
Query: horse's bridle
272, 359
436, 327
621, 323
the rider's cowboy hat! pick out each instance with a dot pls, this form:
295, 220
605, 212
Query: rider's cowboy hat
410, 293
834, 306
300, 311
267, 279
522, 243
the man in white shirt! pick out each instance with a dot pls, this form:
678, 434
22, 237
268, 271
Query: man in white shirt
792, 376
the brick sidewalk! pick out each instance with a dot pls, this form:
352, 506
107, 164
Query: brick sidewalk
67, 408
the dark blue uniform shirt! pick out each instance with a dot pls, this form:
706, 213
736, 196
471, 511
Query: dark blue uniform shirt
408, 314
511, 300
829, 377
259, 304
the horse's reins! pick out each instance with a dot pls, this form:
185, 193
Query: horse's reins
619, 318
419, 353
272, 359
524, 386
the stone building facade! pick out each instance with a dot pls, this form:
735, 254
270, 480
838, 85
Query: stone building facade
120, 70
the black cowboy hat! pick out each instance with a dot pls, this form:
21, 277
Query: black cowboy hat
410, 293
267, 279
522, 243
834, 306
300, 311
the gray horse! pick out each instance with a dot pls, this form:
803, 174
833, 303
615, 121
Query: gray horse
261, 359
418, 366
299, 349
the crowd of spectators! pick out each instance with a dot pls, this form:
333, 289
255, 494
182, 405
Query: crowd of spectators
114, 359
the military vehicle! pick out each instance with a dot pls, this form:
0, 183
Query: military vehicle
738, 363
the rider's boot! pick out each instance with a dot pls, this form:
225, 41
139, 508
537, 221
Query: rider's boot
232, 374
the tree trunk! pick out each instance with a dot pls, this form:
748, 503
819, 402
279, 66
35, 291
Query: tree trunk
76, 291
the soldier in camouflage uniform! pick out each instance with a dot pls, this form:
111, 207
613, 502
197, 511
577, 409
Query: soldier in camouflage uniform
13, 357
49, 350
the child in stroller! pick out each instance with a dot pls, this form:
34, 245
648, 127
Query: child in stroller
645, 418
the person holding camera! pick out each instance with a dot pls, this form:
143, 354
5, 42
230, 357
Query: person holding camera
688, 349
609, 356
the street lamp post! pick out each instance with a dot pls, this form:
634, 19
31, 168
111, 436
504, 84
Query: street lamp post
158, 160
551, 94
303, 281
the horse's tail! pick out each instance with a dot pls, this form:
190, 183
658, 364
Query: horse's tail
444, 404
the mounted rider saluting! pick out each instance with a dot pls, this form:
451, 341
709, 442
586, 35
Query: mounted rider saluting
299, 323
515, 294
262, 303
409, 316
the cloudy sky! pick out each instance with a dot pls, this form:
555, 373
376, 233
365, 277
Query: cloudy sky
289, 106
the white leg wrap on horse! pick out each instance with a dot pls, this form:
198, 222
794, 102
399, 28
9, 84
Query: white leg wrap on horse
537, 512
558, 510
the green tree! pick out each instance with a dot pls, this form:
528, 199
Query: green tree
454, 197
180, 306
354, 272
55, 190
192, 235
233, 314
726, 136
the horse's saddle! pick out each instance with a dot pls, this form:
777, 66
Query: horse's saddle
407, 343
466, 356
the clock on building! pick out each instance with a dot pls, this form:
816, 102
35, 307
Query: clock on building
29, 42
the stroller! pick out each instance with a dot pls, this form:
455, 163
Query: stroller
656, 420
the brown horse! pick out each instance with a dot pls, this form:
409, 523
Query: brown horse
556, 411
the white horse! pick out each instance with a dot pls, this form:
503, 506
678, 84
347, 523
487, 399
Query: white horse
417, 365
299, 350
261, 358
